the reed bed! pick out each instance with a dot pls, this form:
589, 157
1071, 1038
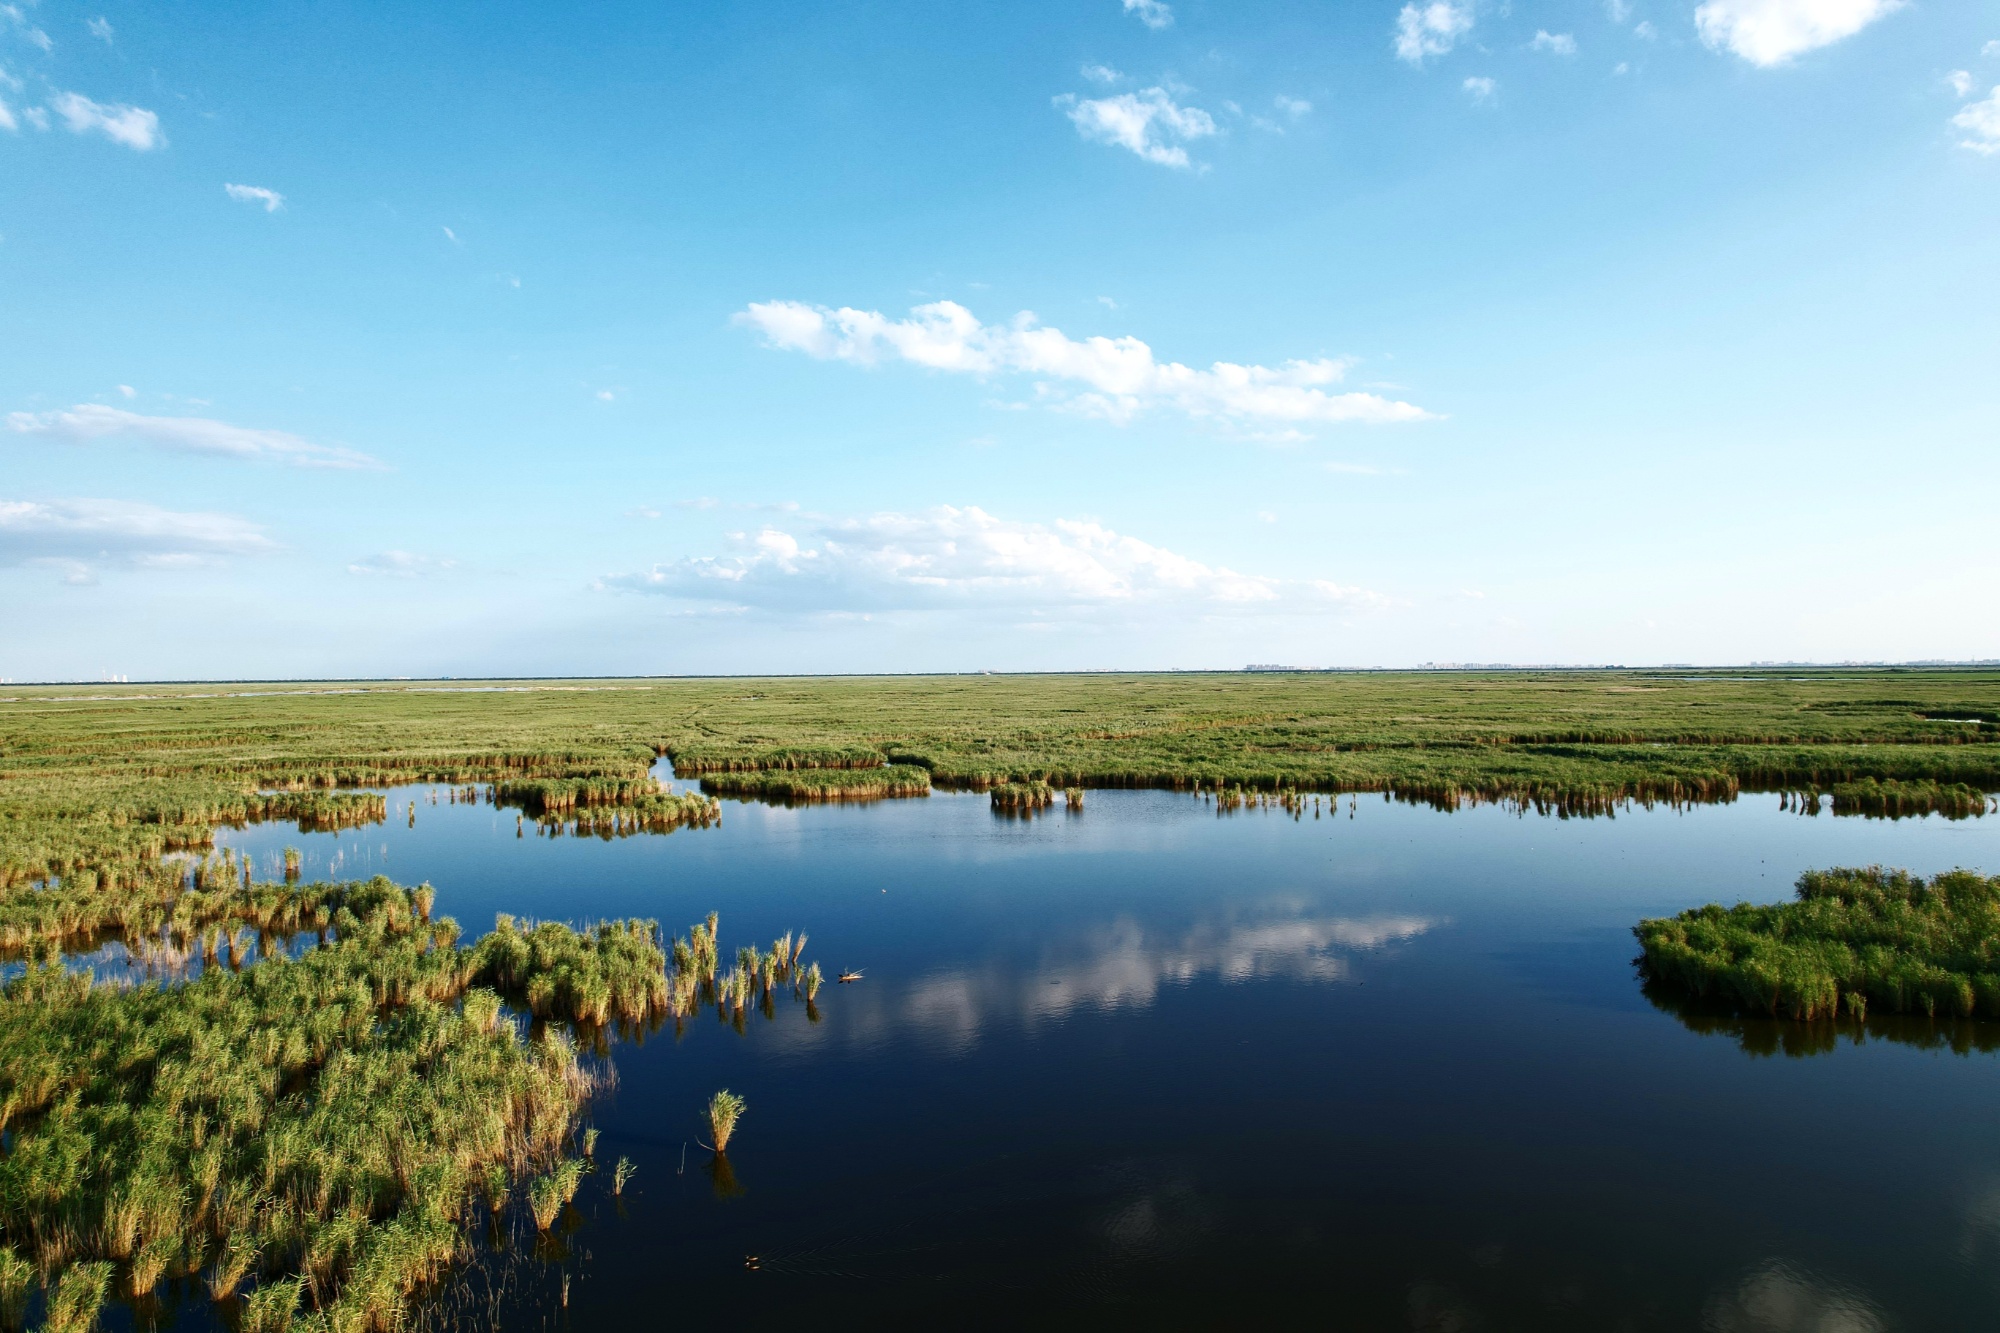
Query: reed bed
309, 1136
1852, 943
1899, 800
822, 784
1022, 798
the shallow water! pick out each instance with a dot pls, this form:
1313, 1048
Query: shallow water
1390, 1069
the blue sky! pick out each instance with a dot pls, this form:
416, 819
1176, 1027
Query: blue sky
409, 340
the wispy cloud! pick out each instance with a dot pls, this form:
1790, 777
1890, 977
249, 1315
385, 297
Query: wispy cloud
1430, 29
1480, 88
80, 535
1556, 43
1103, 74
135, 127
1296, 107
1145, 122
1152, 13
1981, 123
1115, 378
1960, 82
949, 557
100, 28
88, 422
256, 194
401, 565
1771, 32
17, 19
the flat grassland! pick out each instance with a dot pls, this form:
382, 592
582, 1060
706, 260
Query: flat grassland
97, 776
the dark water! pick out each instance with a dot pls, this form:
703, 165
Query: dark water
1147, 1064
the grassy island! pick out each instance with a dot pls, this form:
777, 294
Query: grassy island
857, 783
1851, 943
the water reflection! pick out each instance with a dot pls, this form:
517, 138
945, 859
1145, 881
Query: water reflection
1762, 1036
1122, 964
1779, 1298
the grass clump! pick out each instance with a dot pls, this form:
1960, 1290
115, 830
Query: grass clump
725, 1108
615, 969
1023, 798
1854, 941
823, 784
1899, 800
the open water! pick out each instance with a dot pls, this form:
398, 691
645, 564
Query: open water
1384, 1068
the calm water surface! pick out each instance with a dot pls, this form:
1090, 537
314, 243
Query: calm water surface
1389, 1070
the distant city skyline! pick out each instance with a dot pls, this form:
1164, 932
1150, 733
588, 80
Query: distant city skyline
1109, 334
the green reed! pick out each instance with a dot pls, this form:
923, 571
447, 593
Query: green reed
1854, 941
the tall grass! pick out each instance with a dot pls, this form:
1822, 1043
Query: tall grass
1854, 941
725, 1108
874, 783
326, 1123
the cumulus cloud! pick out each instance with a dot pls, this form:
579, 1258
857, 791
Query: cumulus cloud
1480, 88
1143, 122
1430, 29
1115, 378
1981, 123
271, 200
1103, 74
401, 565
1771, 32
132, 126
949, 557
1559, 43
1960, 82
88, 422
80, 534
1152, 13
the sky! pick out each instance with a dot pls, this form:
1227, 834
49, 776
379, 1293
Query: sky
361, 339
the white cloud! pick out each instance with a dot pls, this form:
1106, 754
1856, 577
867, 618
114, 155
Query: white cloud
1430, 29
1981, 123
1118, 377
256, 194
401, 565
127, 391
1103, 74
135, 127
7, 121
1619, 10
1991, 50
1561, 43
1646, 30
87, 422
30, 34
1771, 32
948, 557
451, 235
78, 534
1960, 82
100, 28
1480, 88
1142, 122
1295, 107
1152, 13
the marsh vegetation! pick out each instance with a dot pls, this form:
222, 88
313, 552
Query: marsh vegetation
1854, 941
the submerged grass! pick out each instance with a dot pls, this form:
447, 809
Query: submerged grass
1854, 941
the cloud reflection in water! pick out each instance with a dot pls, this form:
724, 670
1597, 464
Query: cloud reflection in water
1118, 965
